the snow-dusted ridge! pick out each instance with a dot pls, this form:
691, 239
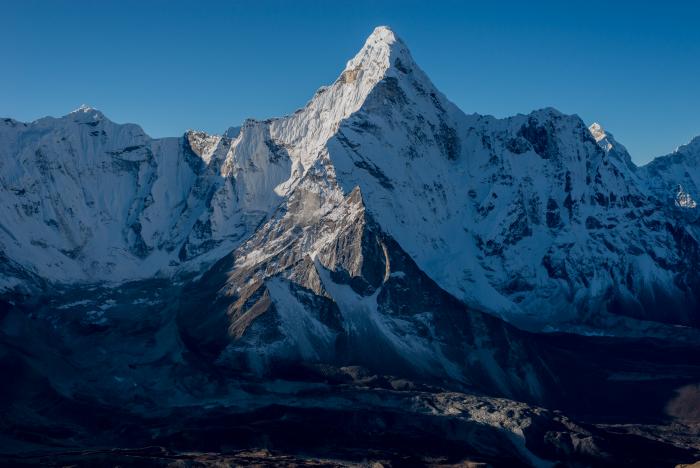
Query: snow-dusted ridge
535, 218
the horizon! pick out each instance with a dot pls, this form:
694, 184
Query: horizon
551, 74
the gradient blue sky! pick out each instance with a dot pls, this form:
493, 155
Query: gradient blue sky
170, 66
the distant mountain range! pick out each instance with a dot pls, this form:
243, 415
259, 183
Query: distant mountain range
379, 232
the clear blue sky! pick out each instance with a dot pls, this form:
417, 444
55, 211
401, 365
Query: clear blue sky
175, 65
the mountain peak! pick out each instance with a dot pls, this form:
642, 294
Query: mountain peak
383, 33
692, 147
382, 52
85, 112
84, 108
383, 55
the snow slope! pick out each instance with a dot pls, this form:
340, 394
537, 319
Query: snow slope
535, 218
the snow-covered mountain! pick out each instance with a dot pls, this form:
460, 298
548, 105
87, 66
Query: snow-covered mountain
535, 218
677, 175
359, 261
85, 199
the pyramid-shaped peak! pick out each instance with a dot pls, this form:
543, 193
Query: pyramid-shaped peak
384, 34
383, 56
383, 51
383, 38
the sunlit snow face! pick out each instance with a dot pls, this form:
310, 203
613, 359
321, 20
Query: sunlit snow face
684, 200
